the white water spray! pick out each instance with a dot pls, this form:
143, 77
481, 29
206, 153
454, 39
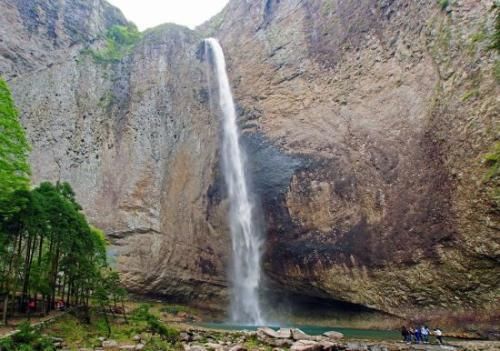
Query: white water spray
245, 233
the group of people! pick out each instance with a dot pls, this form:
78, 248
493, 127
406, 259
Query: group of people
420, 335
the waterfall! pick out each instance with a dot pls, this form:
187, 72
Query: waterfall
245, 233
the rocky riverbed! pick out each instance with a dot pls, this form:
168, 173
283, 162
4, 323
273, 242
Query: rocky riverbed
267, 339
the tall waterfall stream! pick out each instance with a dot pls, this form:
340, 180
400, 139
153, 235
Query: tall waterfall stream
245, 232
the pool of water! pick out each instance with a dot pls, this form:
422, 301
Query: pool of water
349, 333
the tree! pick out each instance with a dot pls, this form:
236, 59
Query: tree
14, 150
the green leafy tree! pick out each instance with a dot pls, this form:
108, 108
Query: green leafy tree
14, 150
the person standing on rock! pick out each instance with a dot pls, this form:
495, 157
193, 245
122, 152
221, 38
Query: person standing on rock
418, 335
424, 331
439, 335
406, 334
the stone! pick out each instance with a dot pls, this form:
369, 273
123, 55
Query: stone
333, 335
280, 342
140, 346
285, 333
306, 345
128, 347
136, 338
298, 334
197, 348
185, 337
356, 346
328, 346
109, 344
213, 346
267, 333
238, 348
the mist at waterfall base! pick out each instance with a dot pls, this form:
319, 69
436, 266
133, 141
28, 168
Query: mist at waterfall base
246, 233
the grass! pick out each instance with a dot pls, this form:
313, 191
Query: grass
252, 343
175, 309
141, 321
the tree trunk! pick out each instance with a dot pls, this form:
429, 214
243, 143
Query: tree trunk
5, 308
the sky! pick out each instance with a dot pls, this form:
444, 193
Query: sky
149, 13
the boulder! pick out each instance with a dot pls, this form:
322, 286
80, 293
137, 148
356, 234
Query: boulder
214, 346
127, 347
238, 348
298, 334
333, 335
267, 333
197, 348
185, 337
327, 345
136, 338
283, 343
285, 333
306, 345
356, 346
139, 347
109, 344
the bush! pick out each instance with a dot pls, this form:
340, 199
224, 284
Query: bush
27, 339
444, 4
120, 40
495, 38
158, 345
154, 325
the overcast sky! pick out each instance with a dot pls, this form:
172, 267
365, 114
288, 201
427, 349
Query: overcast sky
149, 13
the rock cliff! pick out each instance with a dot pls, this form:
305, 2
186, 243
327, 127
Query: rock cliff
367, 123
387, 109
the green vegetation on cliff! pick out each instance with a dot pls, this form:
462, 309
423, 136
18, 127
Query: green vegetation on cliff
120, 40
492, 161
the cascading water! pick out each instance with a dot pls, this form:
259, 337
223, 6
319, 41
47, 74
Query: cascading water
245, 233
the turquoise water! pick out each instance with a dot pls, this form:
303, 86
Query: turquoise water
349, 333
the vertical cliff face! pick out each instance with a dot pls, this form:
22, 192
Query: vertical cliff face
40, 33
135, 137
366, 123
370, 107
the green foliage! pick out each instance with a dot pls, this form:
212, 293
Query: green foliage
120, 40
27, 339
470, 94
495, 38
492, 161
14, 150
141, 313
159, 345
49, 243
154, 325
444, 4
